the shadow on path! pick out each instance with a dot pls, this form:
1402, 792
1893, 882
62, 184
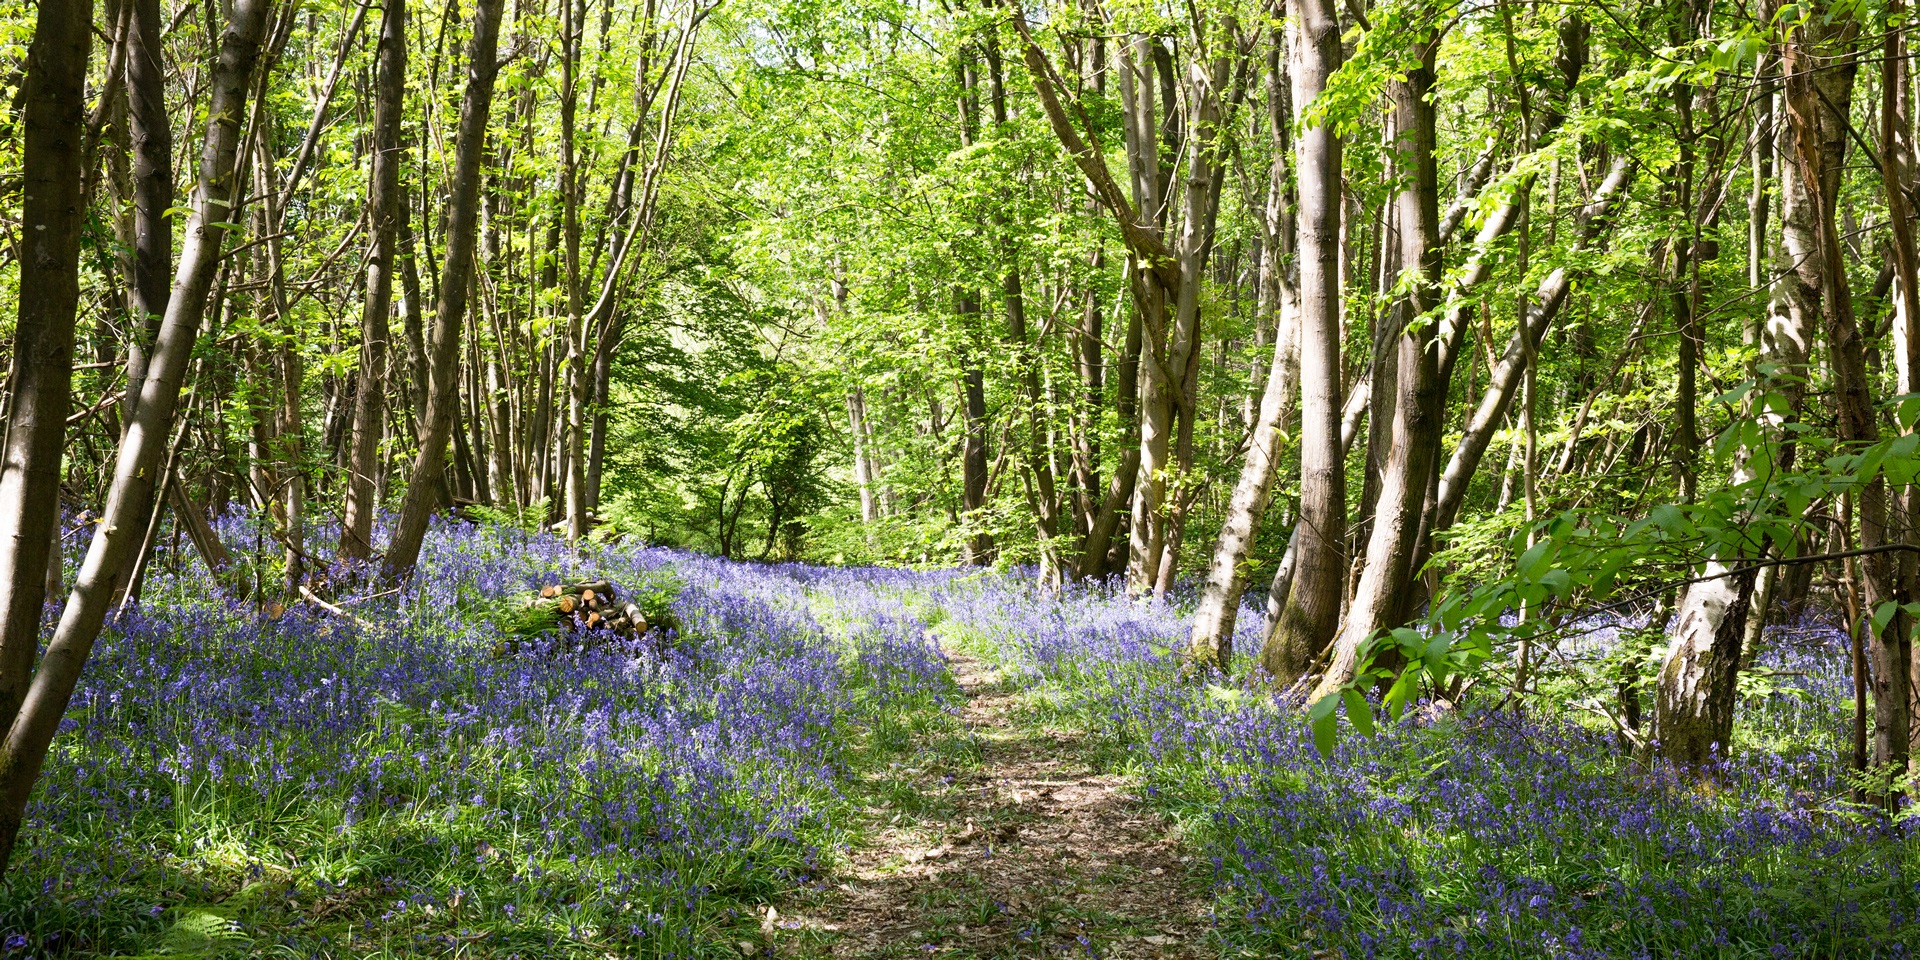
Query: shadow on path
1019, 849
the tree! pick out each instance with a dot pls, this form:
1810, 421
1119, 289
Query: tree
31, 725
443, 398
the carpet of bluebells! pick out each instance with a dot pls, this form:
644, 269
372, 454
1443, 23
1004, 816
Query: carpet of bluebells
1478, 834
232, 780
238, 781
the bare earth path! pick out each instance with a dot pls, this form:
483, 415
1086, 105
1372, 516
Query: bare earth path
1002, 842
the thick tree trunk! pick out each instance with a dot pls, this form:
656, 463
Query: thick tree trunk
383, 202
31, 728
403, 553
1694, 703
1819, 67
1312, 610
54, 215
1418, 413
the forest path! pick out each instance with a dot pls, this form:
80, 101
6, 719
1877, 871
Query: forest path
1002, 841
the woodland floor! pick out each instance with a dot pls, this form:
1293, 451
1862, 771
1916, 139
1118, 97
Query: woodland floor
1001, 839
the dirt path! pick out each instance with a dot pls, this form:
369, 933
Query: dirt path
1003, 843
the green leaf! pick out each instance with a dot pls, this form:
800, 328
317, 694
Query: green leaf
1359, 713
1883, 614
1557, 580
1534, 556
1324, 723
1401, 692
1908, 412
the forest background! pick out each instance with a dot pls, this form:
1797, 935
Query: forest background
1444, 327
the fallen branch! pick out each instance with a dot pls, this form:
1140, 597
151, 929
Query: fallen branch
314, 599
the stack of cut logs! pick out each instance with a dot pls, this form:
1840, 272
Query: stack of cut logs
591, 605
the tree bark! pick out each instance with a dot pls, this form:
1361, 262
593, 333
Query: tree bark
1548, 298
572, 29
416, 508
1418, 413
30, 729
54, 214
1211, 641
383, 203
1819, 65
1312, 610
152, 140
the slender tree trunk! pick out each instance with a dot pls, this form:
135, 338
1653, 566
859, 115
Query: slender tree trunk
862, 461
54, 215
415, 322
1094, 557
30, 729
973, 453
1214, 618
1819, 65
598, 401
403, 553
1548, 298
152, 141
1041, 495
1896, 168
578, 377
383, 202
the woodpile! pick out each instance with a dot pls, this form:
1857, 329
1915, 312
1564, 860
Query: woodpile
586, 614
593, 605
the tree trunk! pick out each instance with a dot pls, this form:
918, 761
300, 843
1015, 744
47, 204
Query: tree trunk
1312, 609
572, 29
1214, 618
862, 463
383, 202
1547, 300
1418, 413
30, 729
55, 214
1819, 65
152, 142
403, 553
973, 449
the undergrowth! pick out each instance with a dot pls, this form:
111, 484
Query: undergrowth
1476, 833
239, 781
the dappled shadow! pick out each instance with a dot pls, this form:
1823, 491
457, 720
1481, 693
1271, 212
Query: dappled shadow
1008, 845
